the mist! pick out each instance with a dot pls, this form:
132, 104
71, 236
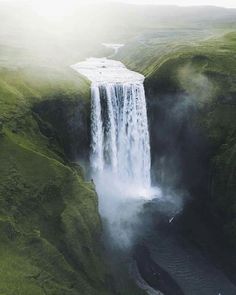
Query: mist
120, 207
178, 166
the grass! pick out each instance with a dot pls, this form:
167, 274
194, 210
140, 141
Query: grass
214, 57
50, 226
49, 217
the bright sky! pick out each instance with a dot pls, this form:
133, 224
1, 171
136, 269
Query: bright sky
224, 3
56, 9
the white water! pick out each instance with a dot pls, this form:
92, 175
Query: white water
103, 70
120, 148
120, 138
113, 46
119, 126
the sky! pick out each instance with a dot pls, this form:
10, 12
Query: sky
222, 3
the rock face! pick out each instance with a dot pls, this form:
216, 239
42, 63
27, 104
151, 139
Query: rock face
68, 123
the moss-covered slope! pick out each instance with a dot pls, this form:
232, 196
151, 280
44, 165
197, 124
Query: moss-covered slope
49, 223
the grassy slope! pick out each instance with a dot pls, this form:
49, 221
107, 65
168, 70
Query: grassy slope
49, 219
49, 223
206, 74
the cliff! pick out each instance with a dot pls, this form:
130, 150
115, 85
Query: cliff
192, 110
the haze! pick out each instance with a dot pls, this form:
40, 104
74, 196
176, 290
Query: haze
222, 3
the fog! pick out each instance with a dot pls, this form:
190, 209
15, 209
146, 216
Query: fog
32, 31
127, 215
179, 149
120, 207
223, 3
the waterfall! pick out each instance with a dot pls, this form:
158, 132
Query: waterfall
120, 148
120, 137
119, 126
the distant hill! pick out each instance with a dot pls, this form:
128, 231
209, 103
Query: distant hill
29, 38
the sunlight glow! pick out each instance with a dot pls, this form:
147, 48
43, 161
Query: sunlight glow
221, 3
54, 9
57, 9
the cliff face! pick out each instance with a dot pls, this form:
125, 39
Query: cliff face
49, 223
192, 110
66, 121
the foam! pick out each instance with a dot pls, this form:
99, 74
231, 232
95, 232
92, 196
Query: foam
99, 70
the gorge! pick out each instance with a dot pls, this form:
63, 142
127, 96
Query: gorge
121, 169
117, 174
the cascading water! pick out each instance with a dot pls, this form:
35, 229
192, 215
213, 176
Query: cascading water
119, 126
120, 138
120, 148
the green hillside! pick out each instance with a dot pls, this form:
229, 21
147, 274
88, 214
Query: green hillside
50, 225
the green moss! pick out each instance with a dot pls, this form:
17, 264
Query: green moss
50, 228
213, 58
23, 87
49, 222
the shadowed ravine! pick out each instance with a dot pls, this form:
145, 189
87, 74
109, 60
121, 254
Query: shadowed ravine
153, 274
121, 169
169, 261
